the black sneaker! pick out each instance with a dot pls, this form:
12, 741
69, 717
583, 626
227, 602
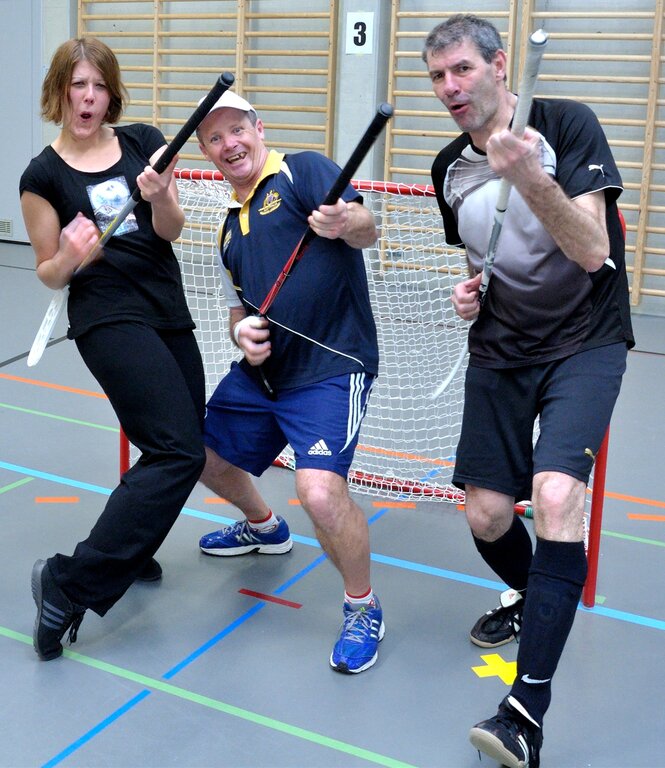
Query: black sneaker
509, 738
55, 613
151, 571
500, 625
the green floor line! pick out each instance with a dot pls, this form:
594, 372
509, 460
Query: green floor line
32, 412
220, 706
628, 537
17, 484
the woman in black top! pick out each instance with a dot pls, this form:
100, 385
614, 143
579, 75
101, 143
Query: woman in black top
129, 319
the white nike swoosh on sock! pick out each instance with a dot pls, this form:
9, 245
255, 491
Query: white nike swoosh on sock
530, 680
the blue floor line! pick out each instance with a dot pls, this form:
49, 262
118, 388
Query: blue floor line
81, 741
55, 478
630, 618
189, 511
440, 573
213, 641
378, 558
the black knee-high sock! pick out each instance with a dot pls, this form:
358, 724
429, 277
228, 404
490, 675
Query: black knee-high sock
555, 586
510, 555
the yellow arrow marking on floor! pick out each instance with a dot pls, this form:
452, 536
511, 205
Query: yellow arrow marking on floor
495, 666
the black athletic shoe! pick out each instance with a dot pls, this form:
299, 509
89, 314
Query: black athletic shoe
55, 613
151, 571
500, 625
509, 738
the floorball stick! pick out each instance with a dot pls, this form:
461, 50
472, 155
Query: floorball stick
224, 82
534, 54
383, 114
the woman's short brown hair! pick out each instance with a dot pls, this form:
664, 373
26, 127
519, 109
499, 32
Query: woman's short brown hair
55, 89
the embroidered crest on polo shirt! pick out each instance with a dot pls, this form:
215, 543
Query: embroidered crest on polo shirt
271, 202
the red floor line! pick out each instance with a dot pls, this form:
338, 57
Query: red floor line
270, 598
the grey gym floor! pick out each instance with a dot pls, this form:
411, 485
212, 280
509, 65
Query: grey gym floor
194, 671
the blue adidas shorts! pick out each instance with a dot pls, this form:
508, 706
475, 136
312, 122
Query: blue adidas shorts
574, 398
320, 421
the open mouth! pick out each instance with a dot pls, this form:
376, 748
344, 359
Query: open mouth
236, 158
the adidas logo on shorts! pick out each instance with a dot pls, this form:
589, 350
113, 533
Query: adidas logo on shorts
320, 449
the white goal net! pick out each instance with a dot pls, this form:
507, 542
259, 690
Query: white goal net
408, 440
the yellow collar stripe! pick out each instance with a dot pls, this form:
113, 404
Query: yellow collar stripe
271, 168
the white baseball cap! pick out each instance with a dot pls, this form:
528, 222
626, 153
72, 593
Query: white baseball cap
231, 99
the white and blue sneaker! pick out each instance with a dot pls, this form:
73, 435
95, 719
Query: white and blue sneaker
240, 538
357, 644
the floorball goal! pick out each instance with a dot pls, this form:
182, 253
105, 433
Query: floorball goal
408, 440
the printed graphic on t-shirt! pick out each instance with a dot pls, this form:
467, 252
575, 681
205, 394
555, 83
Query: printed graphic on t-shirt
107, 200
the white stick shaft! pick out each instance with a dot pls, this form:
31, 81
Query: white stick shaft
224, 82
453, 372
534, 54
536, 47
46, 328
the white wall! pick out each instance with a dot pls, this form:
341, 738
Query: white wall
20, 127
29, 32
361, 80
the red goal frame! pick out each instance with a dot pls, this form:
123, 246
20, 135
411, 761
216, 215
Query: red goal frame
421, 491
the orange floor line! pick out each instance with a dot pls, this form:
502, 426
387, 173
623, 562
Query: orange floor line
635, 499
402, 455
367, 448
395, 504
49, 385
57, 499
653, 518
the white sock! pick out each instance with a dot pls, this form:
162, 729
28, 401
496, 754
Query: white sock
264, 526
358, 602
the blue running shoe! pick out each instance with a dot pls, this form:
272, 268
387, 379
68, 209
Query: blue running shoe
240, 538
357, 644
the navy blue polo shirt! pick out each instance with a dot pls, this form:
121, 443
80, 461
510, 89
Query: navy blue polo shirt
321, 323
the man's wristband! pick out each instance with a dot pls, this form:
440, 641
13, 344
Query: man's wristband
236, 332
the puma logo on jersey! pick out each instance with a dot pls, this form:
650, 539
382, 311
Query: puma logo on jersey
593, 167
320, 449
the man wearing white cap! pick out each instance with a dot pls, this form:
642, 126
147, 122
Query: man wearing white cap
308, 366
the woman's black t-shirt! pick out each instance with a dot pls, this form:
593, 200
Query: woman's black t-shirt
138, 277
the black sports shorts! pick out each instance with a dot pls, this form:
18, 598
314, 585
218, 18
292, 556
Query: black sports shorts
573, 399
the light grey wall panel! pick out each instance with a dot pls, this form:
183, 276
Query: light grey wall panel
20, 132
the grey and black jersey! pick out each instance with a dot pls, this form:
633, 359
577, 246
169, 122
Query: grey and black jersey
540, 306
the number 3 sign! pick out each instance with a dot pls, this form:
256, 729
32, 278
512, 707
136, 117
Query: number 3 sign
359, 33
